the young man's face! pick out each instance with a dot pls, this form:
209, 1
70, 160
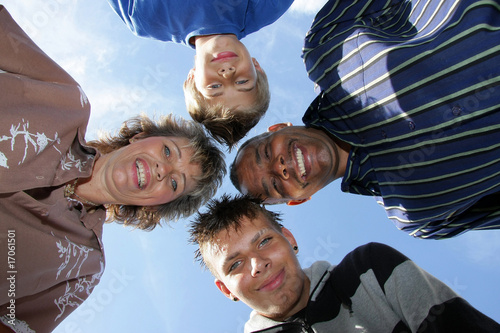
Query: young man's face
289, 164
258, 266
224, 72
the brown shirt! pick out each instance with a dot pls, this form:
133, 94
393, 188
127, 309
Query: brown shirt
51, 254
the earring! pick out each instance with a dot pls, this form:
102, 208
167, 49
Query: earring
235, 299
295, 248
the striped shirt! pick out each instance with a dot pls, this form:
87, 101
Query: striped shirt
414, 87
377, 289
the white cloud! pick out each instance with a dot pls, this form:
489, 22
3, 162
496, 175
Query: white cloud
55, 28
482, 247
91, 57
307, 6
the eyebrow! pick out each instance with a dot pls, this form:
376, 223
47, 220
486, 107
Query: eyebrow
222, 93
257, 155
177, 149
179, 153
258, 235
266, 188
254, 239
258, 160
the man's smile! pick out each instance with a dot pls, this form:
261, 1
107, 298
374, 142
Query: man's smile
300, 162
273, 282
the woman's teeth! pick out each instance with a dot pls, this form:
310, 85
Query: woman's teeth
141, 176
300, 161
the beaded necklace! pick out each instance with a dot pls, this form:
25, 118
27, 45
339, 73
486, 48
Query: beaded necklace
69, 190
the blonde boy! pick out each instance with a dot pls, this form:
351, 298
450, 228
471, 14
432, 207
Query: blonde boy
227, 90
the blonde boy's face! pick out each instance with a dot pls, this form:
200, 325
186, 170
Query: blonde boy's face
225, 72
257, 265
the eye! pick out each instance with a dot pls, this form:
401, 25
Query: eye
167, 151
265, 241
275, 185
234, 266
174, 184
214, 86
241, 81
266, 152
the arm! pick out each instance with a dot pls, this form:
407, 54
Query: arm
263, 13
44, 311
422, 301
20, 55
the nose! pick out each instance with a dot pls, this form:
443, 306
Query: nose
259, 265
162, 170
280, 168
226, 70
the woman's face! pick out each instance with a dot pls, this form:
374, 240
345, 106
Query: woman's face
150, 171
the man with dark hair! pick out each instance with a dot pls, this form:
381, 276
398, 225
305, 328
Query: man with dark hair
409, 112
373, 289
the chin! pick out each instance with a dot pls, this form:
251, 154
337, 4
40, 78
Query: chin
279, 313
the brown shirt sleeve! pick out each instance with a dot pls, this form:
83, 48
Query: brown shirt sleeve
44, 115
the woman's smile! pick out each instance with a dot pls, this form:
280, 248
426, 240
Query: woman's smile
143, 173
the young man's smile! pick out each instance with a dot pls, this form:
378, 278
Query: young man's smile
273, 282
224, 56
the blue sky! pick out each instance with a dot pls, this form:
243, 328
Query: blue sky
151, 282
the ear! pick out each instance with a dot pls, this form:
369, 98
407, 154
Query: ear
297, 202
222, 287
277, 127
191, 74
289, 236
150, 208
257, 65
136, 137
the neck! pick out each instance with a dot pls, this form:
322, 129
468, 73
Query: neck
199, 41
88, 188
342, 150
82, 195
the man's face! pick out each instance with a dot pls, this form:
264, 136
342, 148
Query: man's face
292, 163
225, 73
258, 265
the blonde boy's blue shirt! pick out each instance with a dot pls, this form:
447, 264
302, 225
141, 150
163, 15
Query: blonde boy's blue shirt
179, 20
414, 87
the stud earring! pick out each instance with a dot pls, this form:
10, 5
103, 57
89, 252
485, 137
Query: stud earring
295, 248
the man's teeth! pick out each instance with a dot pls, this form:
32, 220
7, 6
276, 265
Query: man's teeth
300, 161
141, 177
